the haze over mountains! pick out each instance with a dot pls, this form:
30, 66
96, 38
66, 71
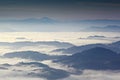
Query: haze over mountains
49, 20
59, 40
44, 20
95, 57
43, 24
96, 50
108, 28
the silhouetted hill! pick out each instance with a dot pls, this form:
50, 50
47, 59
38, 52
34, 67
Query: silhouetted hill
75, 49
97, 58
36, 70
28, 55
33, 55
43, 20
38, 43
115, 46
108, 28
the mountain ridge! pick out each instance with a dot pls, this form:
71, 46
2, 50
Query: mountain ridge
97, 58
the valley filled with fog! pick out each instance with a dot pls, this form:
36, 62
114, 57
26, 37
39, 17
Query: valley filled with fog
60, 55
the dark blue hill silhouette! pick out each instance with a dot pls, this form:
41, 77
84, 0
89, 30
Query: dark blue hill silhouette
28, 55
36, 64
38, 43
37, 70
108, 28
96, 58
76, 49
45, 71
33, 55
116, 43
115, 46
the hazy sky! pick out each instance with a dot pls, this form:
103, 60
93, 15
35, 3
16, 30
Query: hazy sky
60, 9
50, 11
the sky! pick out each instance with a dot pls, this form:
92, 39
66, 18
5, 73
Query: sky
60, 9
67, 11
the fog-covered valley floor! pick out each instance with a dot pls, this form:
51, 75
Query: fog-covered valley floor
60, 56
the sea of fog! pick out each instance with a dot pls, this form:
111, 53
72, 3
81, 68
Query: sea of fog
8, 44
77, 38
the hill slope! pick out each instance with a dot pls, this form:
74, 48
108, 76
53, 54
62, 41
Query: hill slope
97, 58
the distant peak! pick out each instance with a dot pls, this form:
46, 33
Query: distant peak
99, 49
116, 43
45, 18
